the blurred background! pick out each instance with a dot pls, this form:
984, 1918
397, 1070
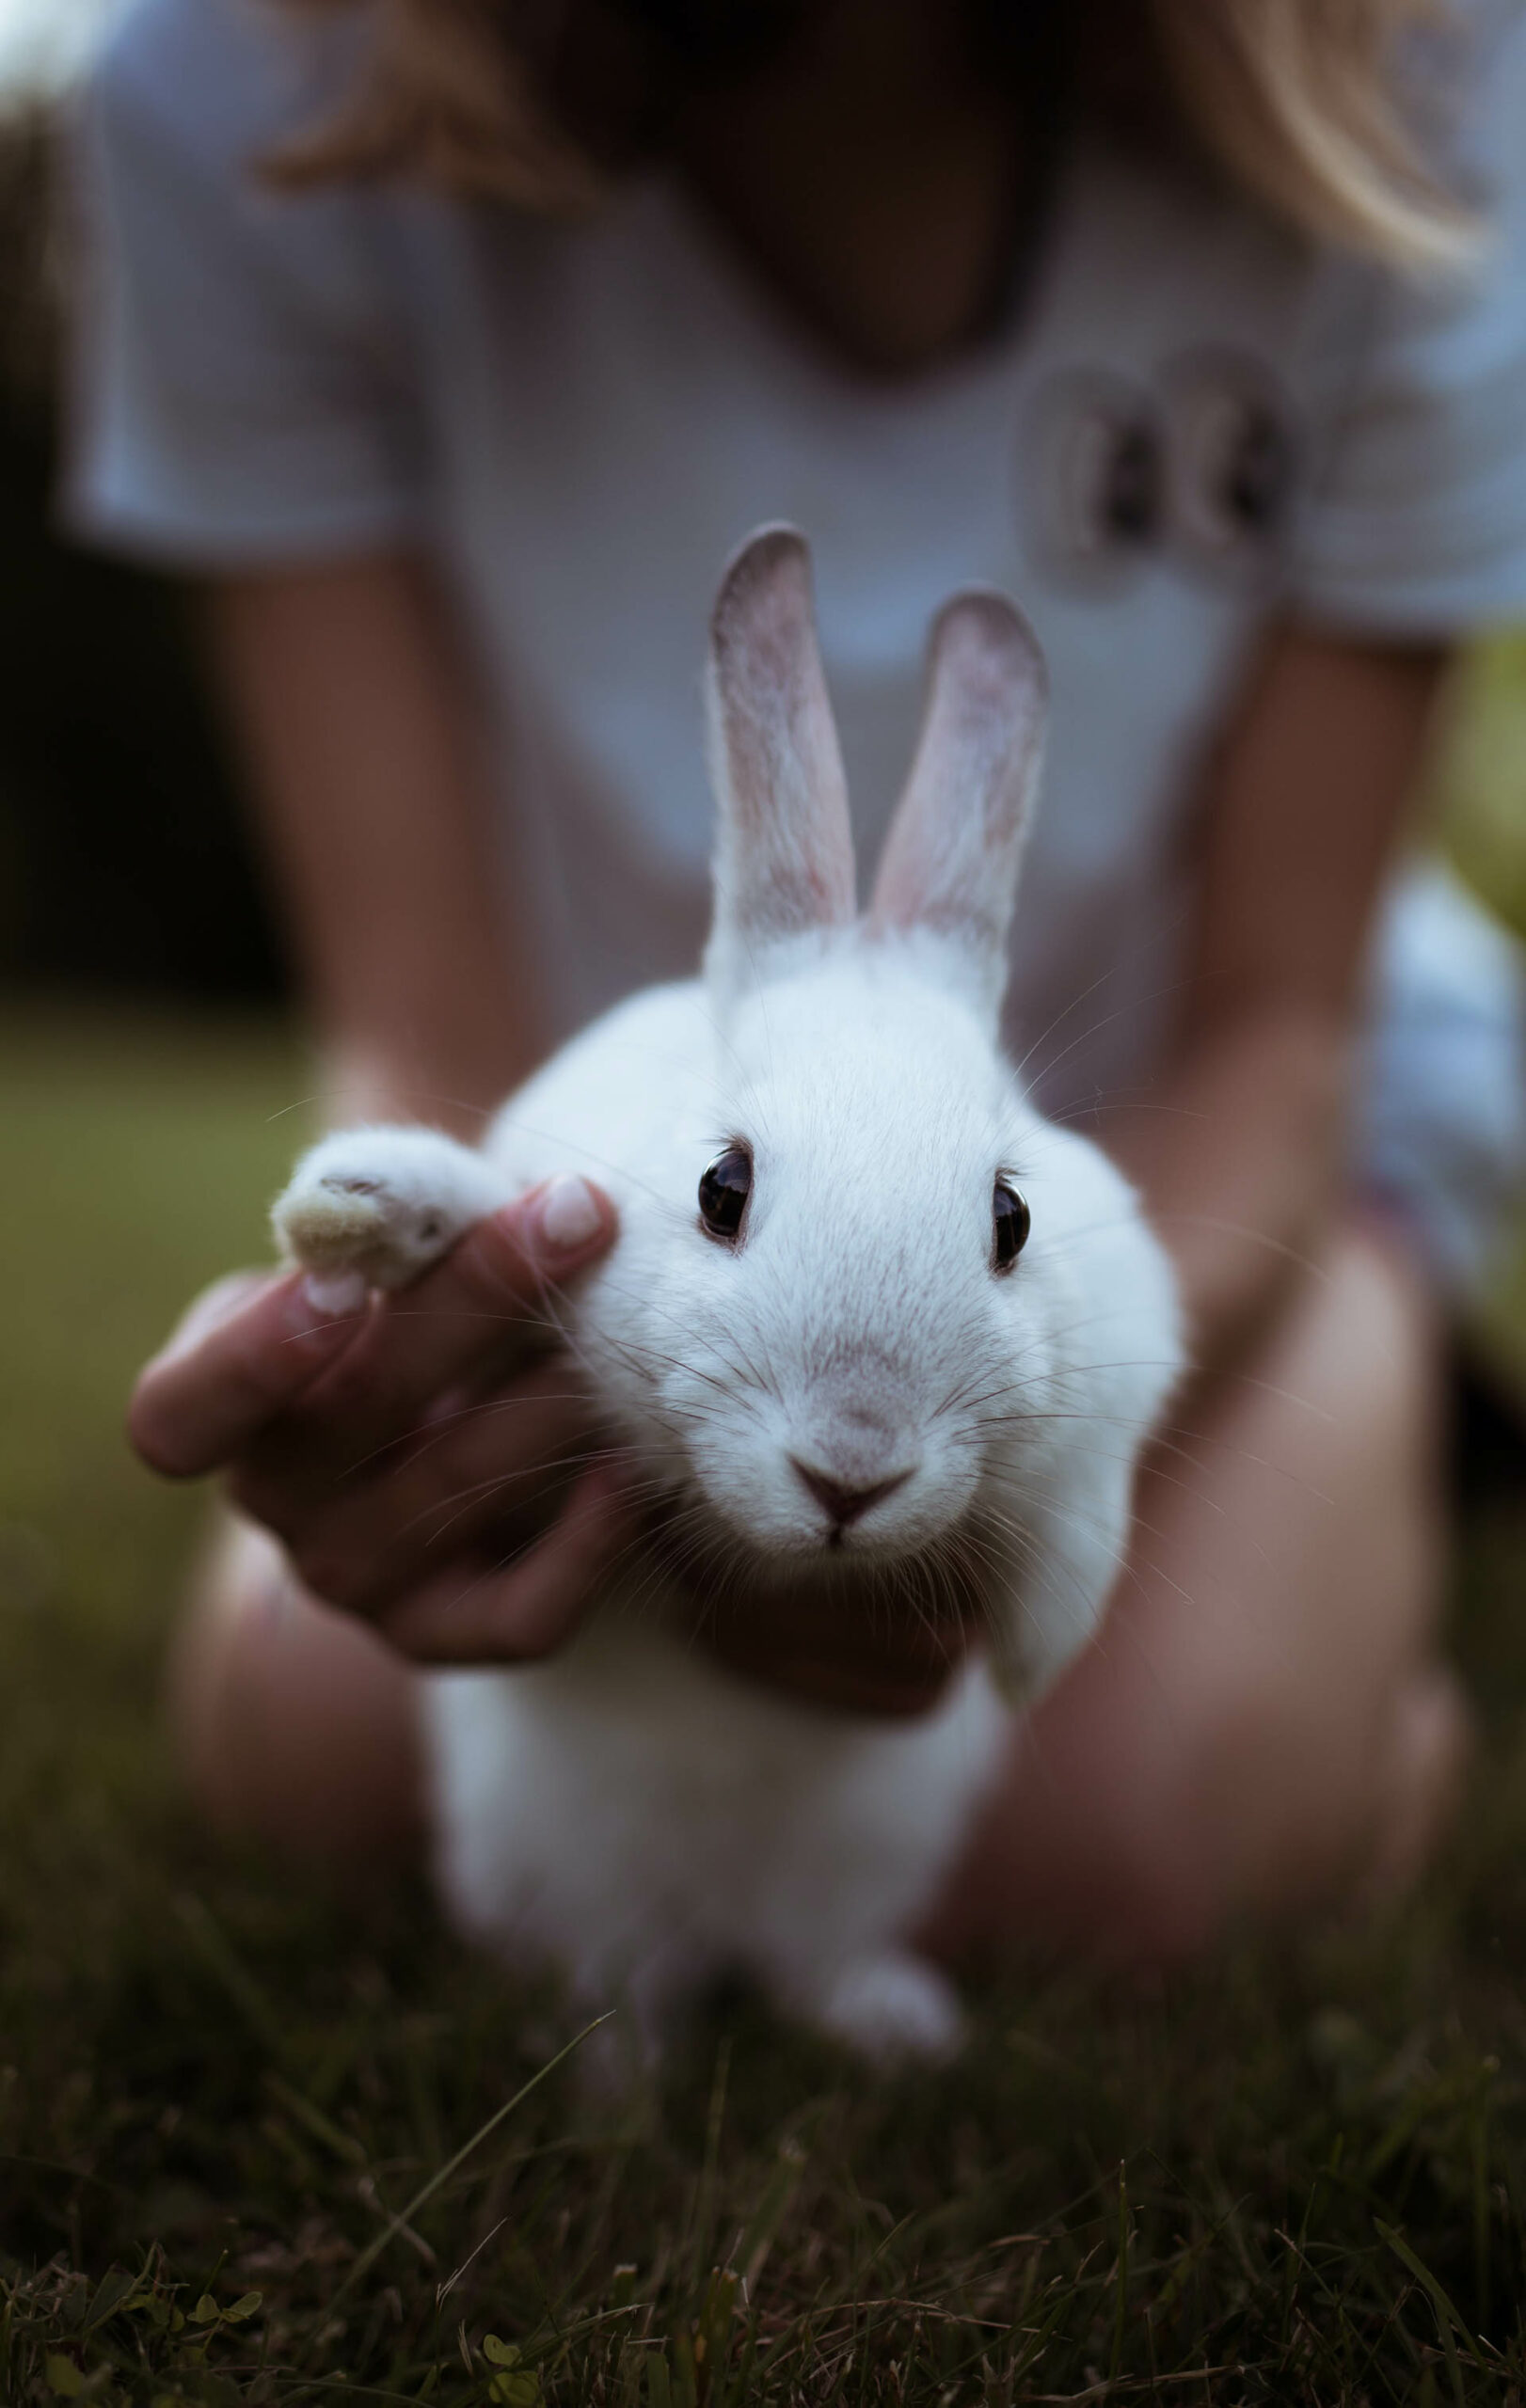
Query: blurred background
123, 871
1303, 2165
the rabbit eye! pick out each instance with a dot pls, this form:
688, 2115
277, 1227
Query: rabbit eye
723, 1190
1010, 1221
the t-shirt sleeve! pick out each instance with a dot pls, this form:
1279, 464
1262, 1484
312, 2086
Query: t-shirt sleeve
1417, 521
242, 381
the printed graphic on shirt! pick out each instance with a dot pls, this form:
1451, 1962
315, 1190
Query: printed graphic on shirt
1197, 467
1233, 461
1093, 477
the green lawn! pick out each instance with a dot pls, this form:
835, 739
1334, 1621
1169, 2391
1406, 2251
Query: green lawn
257, 2144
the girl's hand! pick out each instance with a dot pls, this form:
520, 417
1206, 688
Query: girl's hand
831, 1653
426, 1459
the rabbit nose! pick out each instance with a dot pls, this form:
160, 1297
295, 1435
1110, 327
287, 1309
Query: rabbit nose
846, 1504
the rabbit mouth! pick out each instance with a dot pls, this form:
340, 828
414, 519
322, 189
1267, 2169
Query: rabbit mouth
717, 1572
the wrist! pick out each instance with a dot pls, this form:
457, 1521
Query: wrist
1240, 1165
361, 1079
358, 1083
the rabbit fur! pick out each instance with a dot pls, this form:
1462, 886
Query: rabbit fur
630, 1810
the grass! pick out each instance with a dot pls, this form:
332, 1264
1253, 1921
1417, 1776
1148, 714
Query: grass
1479, 771
261, 2143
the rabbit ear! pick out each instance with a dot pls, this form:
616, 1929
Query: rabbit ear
784, 862
952, 858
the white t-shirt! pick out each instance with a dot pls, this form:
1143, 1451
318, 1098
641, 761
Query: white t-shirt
1193, 420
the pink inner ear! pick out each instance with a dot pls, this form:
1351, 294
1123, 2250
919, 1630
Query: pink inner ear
952, 858
785, 857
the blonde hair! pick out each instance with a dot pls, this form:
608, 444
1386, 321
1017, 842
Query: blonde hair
1296, 102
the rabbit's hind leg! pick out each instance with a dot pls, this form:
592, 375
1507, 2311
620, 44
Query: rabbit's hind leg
642, 2021
373, 1208
893, 2008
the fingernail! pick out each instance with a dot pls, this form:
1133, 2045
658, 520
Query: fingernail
333, 1295
569, 1216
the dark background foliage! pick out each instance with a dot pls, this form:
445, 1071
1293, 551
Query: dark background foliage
123, 866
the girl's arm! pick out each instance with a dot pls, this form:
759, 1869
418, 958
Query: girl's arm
1242, 1152
358, 724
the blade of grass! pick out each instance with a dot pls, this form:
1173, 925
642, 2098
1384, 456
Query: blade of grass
421, 2199
1120, 2304
313, 2121
1449, 2323
223, 1962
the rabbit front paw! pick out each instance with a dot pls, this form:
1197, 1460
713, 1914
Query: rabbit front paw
894, 2009
373, 1208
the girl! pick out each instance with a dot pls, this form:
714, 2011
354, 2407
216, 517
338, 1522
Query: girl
452, 344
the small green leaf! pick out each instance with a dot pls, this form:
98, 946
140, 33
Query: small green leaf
516, 2390
118, 2293
65, 2380
498, 2353
206, 2310
216, 2391
243, 2308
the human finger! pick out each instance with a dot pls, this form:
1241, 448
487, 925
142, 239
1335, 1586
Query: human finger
492, 1300
903, 1683
832, 1653
527, 1608
425, 1503
244, 1353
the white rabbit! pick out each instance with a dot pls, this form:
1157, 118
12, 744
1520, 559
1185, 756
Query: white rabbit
825, 1333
